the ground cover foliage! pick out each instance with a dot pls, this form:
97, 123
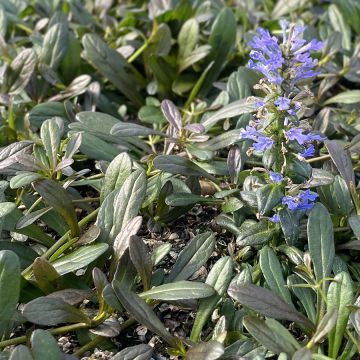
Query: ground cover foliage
179, 179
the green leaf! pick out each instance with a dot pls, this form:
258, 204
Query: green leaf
231, 205
210, 350
289, 226
117, 172
185, 199
221, 141
21, 352
320, 177
241, 83
342, 161
151, 114
122, 129
351, 12
197, 54
141, 311
340, 24
255, 234
268, 196
302, 354
25, 253
179, 290
30, 218
79, 258
20, 71
271, 334
326, 324
266, 303
23, 178
219, 278
6, 208
54, 47
321, 241
32, 231
195, 254
44, 346
95, 148
127, 202
137, 352
112, 65
51, 132
174, 164
188, 38
57, 197
304, 294
41, 112
9, 287
37, 311
272, 271
235, 108
339, 296
122, 240
140, 257
346, 97
222, 40
336, 197
284, 7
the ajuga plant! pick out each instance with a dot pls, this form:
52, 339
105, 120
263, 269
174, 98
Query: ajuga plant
276, 130
164, 197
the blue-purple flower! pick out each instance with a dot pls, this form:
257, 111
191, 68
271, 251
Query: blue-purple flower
298, 135
276, 177
282, 103
308, 152
261, 142
303, 201
275, 218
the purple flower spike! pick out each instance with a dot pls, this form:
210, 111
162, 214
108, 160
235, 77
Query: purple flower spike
268, 57
276, 177
282, 103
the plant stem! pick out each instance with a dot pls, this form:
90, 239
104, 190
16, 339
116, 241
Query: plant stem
90, 345
85, 200
56, 331
320, 158
138, 52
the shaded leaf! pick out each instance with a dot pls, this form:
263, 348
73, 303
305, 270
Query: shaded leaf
193, 256
37, 311
9, 287
58, 198
142, 312
266, 303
